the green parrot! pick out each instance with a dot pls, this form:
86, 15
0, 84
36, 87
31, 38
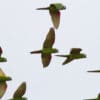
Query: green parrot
2, 59
47, 49
3, 84
94, 71
54, 10
74, 54
97, 98
18, 95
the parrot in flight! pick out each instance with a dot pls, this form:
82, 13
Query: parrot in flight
18, 94
94, 71
54, 10
74, 54
47, 49
3, 84
2, 59
97, 98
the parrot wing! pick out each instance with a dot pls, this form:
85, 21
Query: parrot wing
55, 16
46, 58
3, 88
75, 51
50, 39
20, 91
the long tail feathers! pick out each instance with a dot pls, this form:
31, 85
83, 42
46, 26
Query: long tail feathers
46, 8
34, 52
94, 71
61, 55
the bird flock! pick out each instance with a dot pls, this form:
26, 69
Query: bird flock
46, 53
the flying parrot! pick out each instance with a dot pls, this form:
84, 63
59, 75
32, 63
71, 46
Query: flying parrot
94, 71
2, 59
54, 10
97, 98
74, 54
47, 49
3, 84
18, 94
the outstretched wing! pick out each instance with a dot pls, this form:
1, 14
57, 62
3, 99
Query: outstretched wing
20, 91
75, 51
67, 61
55, 16
3, 88
50, 39
46, 58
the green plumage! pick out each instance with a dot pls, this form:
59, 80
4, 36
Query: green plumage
74, 54
54, 6
20, 91
57, 6
2, 59
18, 94
54, 11
5, 78
47, 48
3, 84
94, 71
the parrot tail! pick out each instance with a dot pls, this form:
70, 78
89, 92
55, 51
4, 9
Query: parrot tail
38, 51
61, 55
95, 71
46, 8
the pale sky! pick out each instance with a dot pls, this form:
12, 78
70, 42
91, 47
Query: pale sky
23, 29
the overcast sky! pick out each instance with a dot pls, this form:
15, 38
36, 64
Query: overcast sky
23, 29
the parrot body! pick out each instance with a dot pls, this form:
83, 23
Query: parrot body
47, 49
54, 10
74, 55
3, 84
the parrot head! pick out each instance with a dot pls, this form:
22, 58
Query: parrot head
57, 6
